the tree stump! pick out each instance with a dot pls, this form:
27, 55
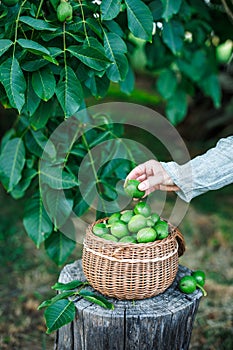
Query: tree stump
163, 322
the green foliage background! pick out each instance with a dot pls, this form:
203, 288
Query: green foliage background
48, 69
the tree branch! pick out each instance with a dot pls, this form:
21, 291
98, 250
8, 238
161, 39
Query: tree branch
227, 9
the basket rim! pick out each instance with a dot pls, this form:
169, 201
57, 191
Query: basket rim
133, 261
171, 235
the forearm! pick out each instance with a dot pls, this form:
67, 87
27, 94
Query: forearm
210, 171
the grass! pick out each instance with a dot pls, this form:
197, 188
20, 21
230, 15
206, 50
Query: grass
207, 228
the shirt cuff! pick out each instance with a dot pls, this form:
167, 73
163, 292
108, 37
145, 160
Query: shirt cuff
182, 177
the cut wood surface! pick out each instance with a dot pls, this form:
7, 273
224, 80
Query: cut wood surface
163, 322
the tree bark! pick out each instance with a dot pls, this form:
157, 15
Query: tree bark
163, 322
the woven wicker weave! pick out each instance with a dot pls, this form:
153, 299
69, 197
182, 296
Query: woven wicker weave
128, 270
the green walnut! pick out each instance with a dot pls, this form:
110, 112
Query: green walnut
10, 2
64, 11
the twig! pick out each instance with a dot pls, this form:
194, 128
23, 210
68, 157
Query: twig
227, 9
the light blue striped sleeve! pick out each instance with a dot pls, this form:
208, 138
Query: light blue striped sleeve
210, 171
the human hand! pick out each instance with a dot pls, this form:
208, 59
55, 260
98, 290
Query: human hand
153, 177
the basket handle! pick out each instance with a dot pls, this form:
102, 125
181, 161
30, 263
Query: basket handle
181, 242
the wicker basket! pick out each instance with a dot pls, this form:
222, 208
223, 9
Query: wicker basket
129, 270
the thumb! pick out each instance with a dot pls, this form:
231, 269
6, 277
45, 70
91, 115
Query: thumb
144, 185
149, 183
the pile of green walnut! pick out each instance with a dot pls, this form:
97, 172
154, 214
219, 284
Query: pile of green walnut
139, 225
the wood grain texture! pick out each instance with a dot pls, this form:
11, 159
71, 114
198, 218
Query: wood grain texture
163, 322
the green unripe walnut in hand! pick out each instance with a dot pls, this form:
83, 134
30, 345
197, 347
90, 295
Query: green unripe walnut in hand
131, 189
64, 11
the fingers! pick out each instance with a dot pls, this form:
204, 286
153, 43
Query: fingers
144, 185
142, 177
152, 176
169, 188
137, 173
151, 182
142, 171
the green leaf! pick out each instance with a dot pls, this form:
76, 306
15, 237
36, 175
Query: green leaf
157, 54
115, 48
127, 85
36, 142
114, 43
42, 141
12, 161
32, 145
43, 113
9, 134
12, 78
22, 186
32, 101
68, 286
59, 247
140, 20
176, 108
79, 150
53, 300
202, 9
33, 46
51, 59
114, 27
103, 136
5, 44
108, 190
211, 87
186, 12
98, 85
96, 299
44, 83
52, 35
59, 314
81, 205
4, 13
94, 26
93, 42
54, 3
57, 178
58, 207
194, 66
69, 92
173, 35
37, 24
90, 56
166, 83
110, 9
171, 7
32, 66
156, 8
36, 221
